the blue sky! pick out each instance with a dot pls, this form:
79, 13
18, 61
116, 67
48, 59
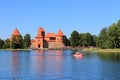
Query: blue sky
68, 15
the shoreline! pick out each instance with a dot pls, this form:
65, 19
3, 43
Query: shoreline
38, 49
15, 49
84, 49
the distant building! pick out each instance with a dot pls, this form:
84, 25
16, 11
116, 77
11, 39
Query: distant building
49, 40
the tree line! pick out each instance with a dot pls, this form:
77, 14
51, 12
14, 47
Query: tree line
16, 42
81, 40
109, 37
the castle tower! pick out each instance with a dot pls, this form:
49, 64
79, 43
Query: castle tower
59, 36
59, 39
40, 38
15, 34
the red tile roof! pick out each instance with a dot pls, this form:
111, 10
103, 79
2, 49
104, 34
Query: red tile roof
50, 35
60, 33
16, 33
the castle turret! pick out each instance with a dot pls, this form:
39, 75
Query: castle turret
15, 34
41, 31
40, 38
59, 39
59, 36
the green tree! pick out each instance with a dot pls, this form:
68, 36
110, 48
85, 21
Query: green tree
80, 39
83, 39
114, 36
110, 38
13, 42
7, 43
66, 41
19, 43
1, 43
27, 40
118, 23
94, 43
89, 39
102, 38
74, 39
16, 42
86, 39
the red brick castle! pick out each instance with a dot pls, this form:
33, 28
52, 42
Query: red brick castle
49, 40
42, 40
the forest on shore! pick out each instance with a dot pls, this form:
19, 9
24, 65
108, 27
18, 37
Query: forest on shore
109, 37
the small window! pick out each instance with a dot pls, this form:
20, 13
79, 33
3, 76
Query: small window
52, 38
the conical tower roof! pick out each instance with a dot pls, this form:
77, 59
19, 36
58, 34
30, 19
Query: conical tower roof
16, 33
60, 33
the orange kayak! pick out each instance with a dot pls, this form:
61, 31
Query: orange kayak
78, 54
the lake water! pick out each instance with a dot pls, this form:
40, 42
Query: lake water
58, 65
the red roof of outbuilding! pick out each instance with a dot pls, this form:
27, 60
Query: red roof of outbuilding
16, 32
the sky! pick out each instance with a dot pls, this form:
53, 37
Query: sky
68, 15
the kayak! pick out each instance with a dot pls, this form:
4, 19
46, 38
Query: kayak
78, 54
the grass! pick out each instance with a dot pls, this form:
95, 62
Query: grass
100, 50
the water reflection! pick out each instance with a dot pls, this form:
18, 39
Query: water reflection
109, 56
47, 62
109, 63
15, 64
20, 64
58, 65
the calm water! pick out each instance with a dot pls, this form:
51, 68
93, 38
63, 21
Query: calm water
58, 65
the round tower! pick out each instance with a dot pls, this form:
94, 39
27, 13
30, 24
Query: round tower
59, 36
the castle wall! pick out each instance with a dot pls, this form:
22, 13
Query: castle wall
56, 45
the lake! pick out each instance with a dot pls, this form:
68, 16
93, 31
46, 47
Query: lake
58, 65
